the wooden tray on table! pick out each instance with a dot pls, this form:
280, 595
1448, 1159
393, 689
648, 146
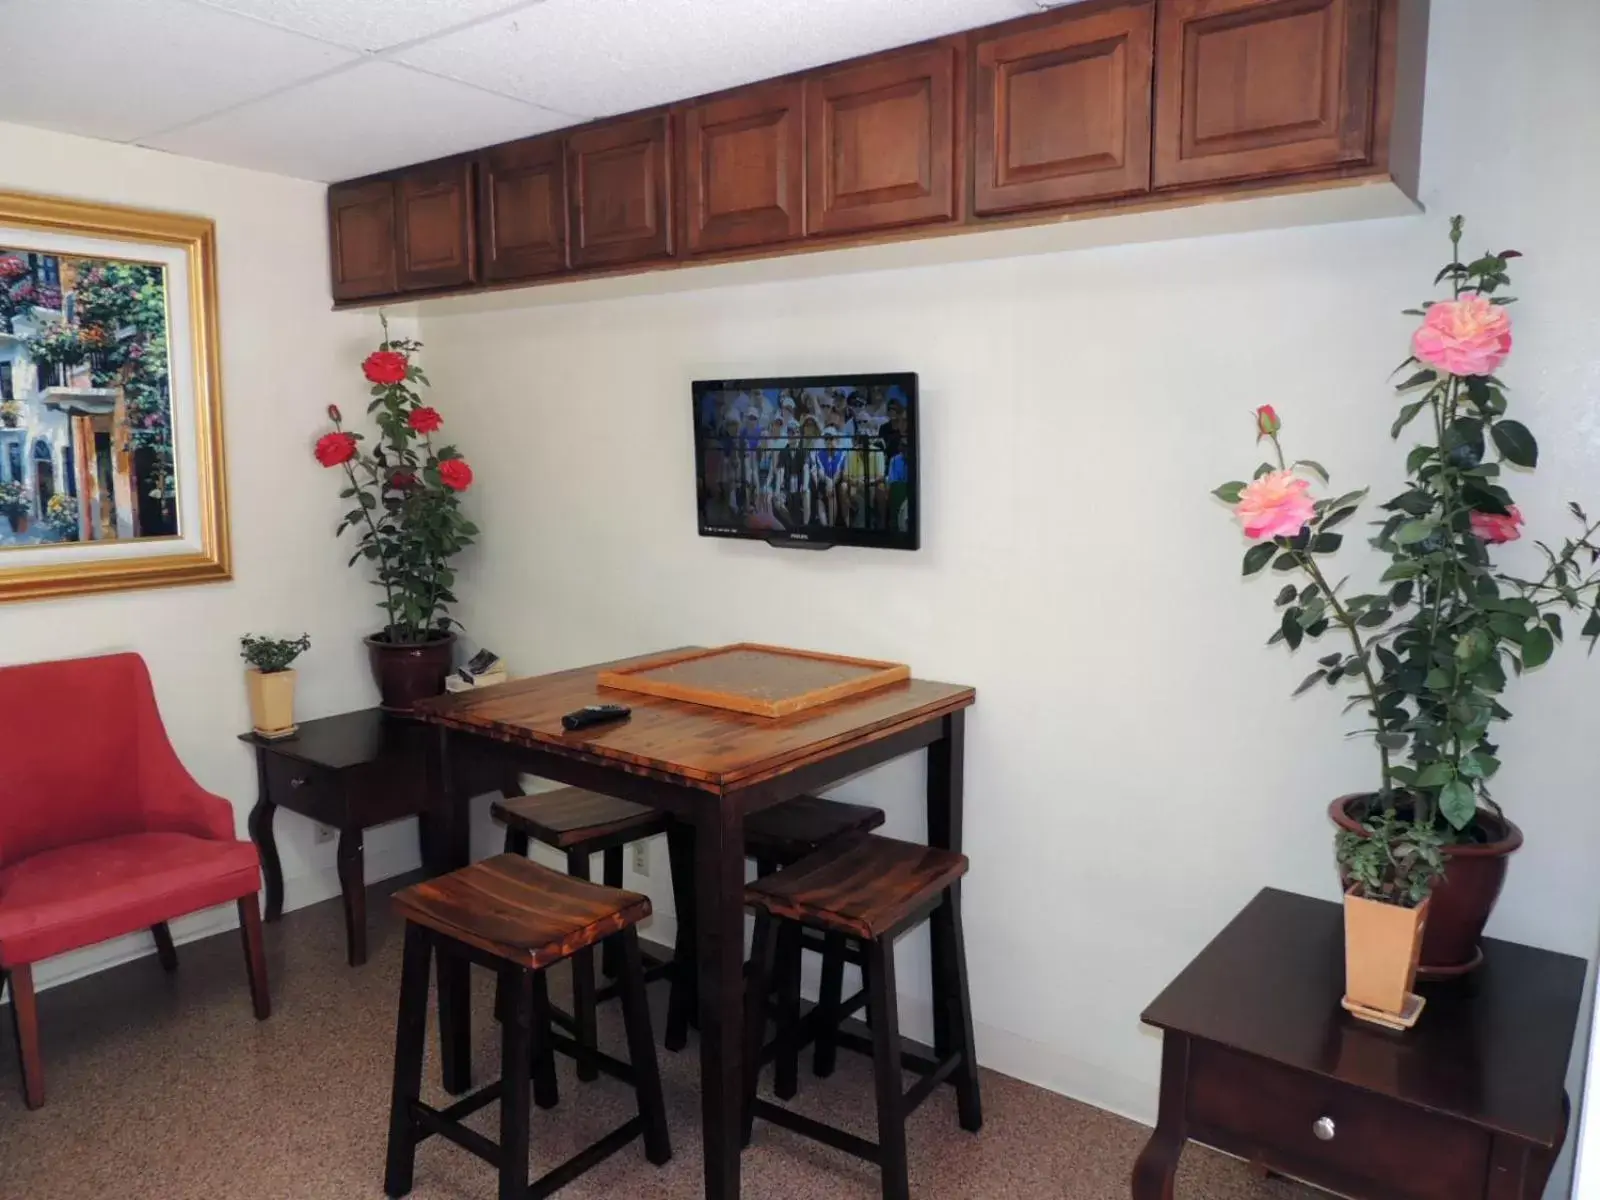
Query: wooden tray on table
765, 681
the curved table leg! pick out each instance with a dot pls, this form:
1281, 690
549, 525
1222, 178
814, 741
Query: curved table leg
1157, 1164
266, 845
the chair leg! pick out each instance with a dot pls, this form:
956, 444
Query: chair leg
255, 955
583, 988
545, 1092
642, 1048
516, 842
762, 955
786, 1075
166, 952
681, 998
830, 999
411, 1032
610, 951
516, 1048
882, 1002
25, 1021
956, 998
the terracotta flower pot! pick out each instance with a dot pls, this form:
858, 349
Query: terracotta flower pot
20, 523
271, 701
409, 672
1381, 946
1462, 901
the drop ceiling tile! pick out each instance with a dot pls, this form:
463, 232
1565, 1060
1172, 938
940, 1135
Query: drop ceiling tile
607, 56
367, 24
371, 117
119, 69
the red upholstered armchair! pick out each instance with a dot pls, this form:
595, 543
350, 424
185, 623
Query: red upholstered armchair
102, 831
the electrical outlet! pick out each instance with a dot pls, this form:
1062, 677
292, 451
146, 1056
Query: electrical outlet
641, 859
325, 833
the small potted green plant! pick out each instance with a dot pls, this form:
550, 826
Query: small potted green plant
10, 413
15, 504
1389, 867
270, 679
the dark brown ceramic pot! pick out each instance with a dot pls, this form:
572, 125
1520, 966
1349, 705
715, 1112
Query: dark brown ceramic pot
1463, 899
409, 672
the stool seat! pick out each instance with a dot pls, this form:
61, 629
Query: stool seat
517, 910
787, 832
866, 887
567, 816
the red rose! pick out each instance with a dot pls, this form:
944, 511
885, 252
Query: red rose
11, 266
455, 474
402, 481
385, 366
424, 420
1497, 528
335, 449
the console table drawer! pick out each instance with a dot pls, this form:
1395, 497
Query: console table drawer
1303, 1123
305, 789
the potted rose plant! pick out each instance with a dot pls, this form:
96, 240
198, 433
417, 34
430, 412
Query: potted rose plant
408, 523
270, 680
1430, 652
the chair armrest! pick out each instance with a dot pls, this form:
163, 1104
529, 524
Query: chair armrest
193, 810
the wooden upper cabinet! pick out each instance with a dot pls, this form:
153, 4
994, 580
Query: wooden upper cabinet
1062, 109
881, 142
522, 209
619, 186
744, 168
437, 233
1249, 88
361, 239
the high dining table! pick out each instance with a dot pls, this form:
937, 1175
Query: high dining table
709, 767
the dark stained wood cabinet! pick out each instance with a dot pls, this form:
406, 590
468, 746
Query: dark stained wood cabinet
1062, 109
619, 189
361, 239
881, 142
522, 209
437, 232
744, 168
1248, 88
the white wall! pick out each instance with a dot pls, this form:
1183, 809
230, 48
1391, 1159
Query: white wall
1136, 770
285, 357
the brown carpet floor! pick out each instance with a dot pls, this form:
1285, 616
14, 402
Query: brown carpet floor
164, 1088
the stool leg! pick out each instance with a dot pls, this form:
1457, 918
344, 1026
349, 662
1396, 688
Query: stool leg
545, 1092
516, 842
455, 1021
757, 985
610, 951
410, 1038
882, 1001
786, 1076
583, 987
642, 1048
516, 1047
681, 998
953, 994
830, 999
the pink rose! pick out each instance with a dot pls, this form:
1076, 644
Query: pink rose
1276, 505
1496, 528
1469, 336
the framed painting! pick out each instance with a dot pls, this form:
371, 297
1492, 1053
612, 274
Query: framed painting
111, 465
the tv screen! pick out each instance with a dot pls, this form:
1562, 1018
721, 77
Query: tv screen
822, 460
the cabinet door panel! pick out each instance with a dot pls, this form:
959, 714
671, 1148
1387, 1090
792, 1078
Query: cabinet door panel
522, 206
361, 239
1262, 87
620, 194
744, 180
1063, 110
438, 245
880, 142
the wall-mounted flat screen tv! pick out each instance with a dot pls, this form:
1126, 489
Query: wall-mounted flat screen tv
826, 460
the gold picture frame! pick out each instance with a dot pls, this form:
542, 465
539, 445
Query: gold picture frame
117, 479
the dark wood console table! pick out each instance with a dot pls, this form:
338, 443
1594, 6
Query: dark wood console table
709, 767
1260, 1061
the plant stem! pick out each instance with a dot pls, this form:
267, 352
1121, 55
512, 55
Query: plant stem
372, 526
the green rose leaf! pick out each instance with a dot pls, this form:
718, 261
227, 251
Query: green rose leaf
1407, 413
1538, 645
1413, 532
1458, 803
1314, 467
1515, 443
1258, 556
1229, 492
1435, 775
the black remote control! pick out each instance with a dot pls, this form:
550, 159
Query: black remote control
594, 714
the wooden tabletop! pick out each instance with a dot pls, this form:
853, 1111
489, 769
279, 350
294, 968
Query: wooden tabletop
345, 740
1491, 1049
708, 748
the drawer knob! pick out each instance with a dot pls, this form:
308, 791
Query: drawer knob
1323, 1128
299, 781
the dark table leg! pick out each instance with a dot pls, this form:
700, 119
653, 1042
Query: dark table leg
266, 846
719, 929
946, 765
448, 849
353, 886
1157, 1165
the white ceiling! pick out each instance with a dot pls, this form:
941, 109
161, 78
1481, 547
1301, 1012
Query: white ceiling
330, 89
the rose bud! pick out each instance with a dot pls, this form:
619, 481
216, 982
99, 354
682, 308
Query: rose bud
1267, 423
334, 414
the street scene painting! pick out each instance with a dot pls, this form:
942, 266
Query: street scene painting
86, 428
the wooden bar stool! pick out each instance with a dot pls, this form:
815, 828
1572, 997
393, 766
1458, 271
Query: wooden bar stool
518, 919
872, 889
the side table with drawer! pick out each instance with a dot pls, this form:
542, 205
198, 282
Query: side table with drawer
1259, 1060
